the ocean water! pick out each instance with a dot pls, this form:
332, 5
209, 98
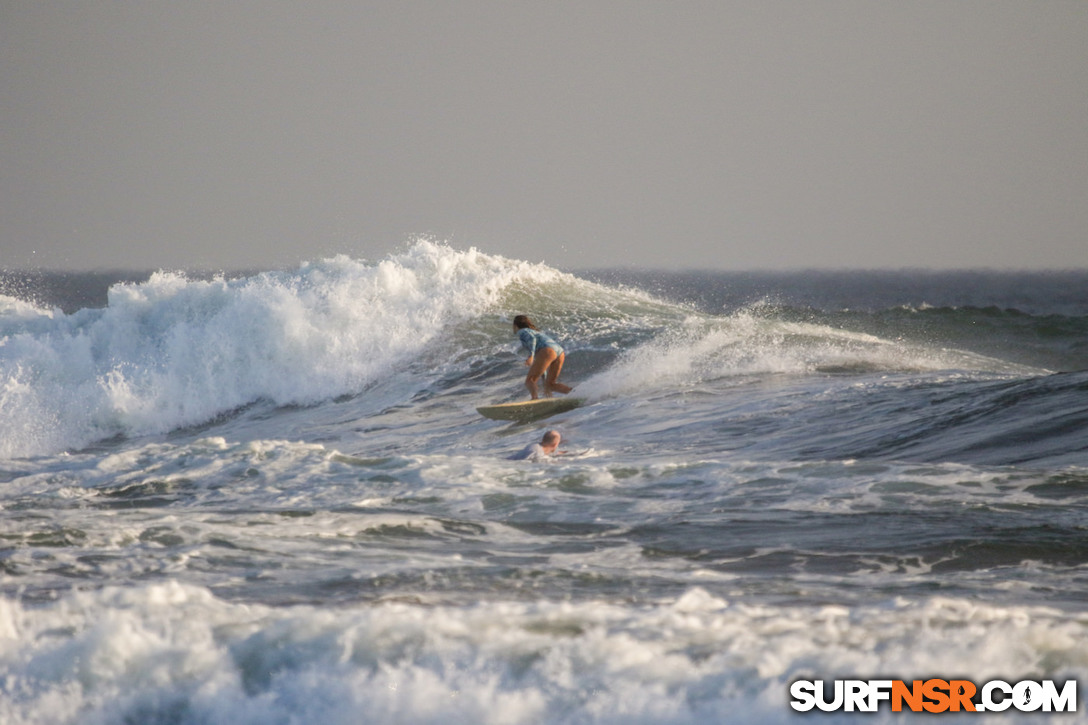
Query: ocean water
267, 498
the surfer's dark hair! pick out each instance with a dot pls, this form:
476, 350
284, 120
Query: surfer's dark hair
523, 321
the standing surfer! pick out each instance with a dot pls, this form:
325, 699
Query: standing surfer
545, 355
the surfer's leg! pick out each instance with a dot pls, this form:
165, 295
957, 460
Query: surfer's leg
543, 358
551, 381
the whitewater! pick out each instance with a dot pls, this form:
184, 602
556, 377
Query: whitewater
268, 498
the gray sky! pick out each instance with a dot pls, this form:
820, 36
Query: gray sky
672, 134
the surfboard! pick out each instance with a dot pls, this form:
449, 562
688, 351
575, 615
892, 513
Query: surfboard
523, 411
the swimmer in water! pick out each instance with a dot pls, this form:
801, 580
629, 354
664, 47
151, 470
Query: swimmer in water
538, 451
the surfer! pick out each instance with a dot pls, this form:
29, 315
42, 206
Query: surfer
546, 358
536, 451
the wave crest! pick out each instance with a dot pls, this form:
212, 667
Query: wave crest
173, 351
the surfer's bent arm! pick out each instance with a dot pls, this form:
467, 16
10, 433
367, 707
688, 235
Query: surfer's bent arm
528, 341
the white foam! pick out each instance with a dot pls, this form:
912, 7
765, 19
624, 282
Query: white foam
751, 342
15, 313
175, 653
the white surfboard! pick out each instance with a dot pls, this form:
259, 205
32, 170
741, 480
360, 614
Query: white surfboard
523, 411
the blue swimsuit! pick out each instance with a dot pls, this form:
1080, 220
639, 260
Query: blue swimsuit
532, 339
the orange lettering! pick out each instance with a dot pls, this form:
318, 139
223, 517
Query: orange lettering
961, 692
932, 689
912, 695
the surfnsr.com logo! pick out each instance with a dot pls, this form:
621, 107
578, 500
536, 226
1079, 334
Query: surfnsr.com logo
933, 695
